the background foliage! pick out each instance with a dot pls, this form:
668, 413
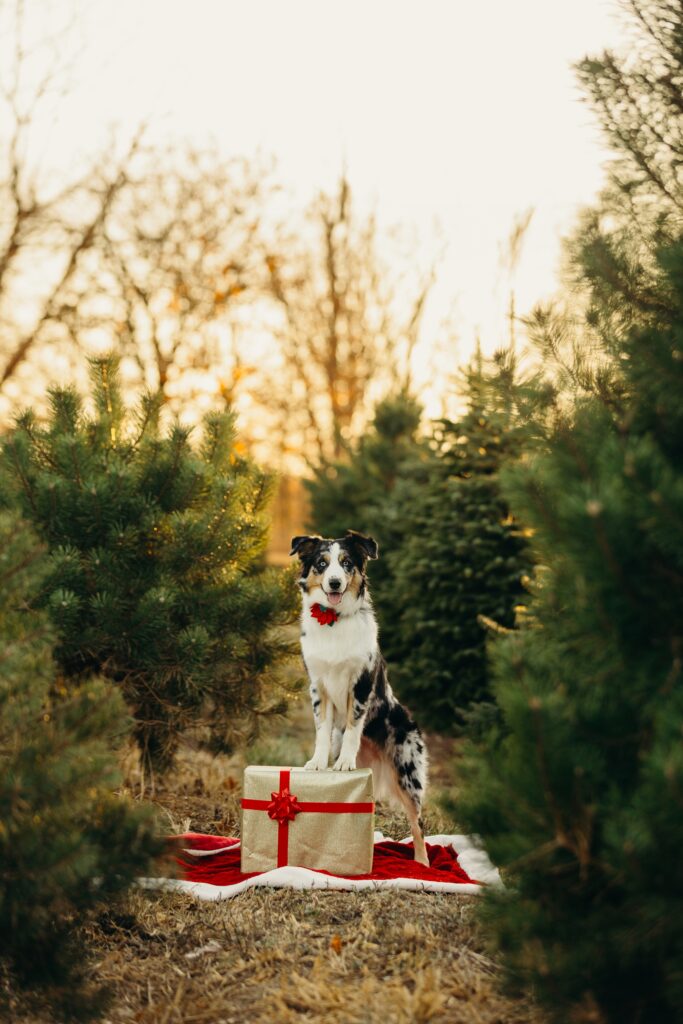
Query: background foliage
578, 795
461, 563
577, 789
156, 578
358, 489
449, 550
67, 841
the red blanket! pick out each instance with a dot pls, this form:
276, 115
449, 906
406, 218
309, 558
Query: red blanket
215, 860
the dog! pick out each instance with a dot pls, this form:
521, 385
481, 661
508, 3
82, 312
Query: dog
357, 717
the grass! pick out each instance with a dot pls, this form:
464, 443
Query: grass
280, 956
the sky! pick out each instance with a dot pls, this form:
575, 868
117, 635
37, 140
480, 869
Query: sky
450, 118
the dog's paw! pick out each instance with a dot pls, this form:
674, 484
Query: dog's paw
316, 764
344, 764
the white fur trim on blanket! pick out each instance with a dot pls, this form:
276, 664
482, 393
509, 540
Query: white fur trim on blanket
471, 855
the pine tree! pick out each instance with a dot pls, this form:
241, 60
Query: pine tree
449, 551
609, 258
67, 841
579, 796
156, 547
637, 98
348, 492
462, 560
354, 493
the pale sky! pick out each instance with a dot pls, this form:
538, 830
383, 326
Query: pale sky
442, 111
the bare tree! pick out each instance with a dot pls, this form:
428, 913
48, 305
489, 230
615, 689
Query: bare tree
166, 258
45, 229
509, 257
174, 256
148, 253
347, 329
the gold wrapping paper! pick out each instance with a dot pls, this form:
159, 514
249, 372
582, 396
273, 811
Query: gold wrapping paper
341, 843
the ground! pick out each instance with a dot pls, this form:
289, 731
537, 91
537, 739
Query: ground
279, 956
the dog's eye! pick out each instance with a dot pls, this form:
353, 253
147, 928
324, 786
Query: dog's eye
347, 565
322, 565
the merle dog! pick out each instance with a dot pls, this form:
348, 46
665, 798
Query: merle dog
358, 720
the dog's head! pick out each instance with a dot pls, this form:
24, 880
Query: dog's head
333, 568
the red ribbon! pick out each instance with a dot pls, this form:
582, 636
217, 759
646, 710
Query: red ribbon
284, 806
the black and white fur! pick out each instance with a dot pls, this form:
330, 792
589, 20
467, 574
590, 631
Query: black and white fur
357, 717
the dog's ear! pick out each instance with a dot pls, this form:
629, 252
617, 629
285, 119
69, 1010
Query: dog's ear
368, 546
302, 546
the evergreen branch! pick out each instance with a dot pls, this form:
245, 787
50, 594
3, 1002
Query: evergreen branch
150, 409
44, 632
29, 559
562, 835
35, 435
493, 627
19, 471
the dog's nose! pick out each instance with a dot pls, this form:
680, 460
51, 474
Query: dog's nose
334, 584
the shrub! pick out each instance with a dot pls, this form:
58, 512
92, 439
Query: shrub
579, 794
462, 560
156, 579
67, 841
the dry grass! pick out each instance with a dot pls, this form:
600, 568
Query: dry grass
279, 956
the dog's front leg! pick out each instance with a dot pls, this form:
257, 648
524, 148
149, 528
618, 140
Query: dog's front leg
356, 710
323, 737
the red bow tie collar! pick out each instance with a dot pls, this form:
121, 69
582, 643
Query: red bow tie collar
325, 616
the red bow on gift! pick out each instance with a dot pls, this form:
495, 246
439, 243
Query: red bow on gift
283, 806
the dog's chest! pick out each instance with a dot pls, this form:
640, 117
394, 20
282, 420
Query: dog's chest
335, 655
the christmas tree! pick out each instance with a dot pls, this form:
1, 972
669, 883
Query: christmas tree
449, 551
580, 795
67, 841
461, 562
156, 579
355, 493
349, 492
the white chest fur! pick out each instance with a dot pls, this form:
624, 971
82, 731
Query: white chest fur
336, 655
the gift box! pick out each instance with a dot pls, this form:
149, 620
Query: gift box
319, 820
